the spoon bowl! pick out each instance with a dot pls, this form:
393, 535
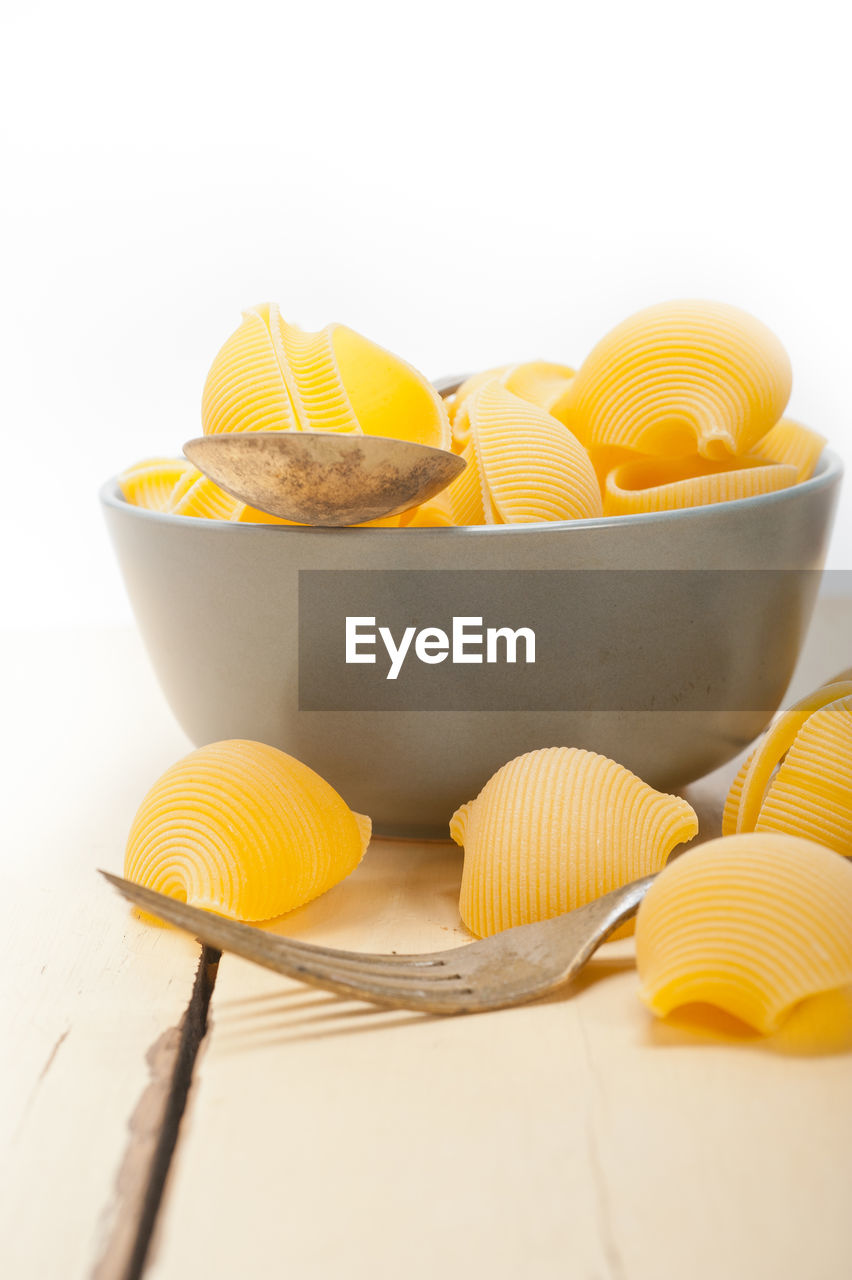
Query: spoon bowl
322, 477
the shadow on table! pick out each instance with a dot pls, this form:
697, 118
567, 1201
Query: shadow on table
302, 1013
820, 1026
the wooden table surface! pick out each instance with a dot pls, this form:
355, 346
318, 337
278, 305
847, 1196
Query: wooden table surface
576, 1137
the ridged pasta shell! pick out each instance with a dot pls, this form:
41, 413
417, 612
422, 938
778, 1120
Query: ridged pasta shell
197, 495
246, 389
389, 396
679, 378
539, 381
272, 376
792, 444
832, 759
243, 829
528, 466
468, 388
733, 798
151, 483
799, 777
658, 484
811, 794
554, 829
750, 923
432, 514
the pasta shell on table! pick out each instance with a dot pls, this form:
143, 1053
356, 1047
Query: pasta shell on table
273, 376
811, 793
750, 923
799, 777
816, 789
529, 467
679, 378
793, 445
244, 829
659, 484
555, 828
151, 483
733, 798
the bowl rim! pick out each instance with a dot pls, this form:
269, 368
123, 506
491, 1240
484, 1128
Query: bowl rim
829, 469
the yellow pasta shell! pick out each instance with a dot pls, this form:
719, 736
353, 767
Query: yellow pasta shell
529, 466
243, 829
679, 378
749, 923
539, 381
657, 484
389, 396
799, 777
272, 376
554, 829
733, 798
467, 501
811, 793
471, 385
777, 742
151, 483
434, 514
246, 389
792, 444
197, 495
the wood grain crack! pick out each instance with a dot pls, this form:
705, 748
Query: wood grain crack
606, 1228
154, 1127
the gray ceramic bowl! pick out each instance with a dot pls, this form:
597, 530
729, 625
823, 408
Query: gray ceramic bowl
665, 641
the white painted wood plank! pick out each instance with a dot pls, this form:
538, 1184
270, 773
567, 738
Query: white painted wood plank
572, 1137
87, 990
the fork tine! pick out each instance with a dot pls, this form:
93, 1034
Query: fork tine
407, 990
162, 905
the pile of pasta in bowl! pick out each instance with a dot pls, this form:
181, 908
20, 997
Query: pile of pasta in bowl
680, 405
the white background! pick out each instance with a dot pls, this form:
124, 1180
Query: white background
466, 184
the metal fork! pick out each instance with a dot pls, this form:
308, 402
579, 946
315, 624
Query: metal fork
509, 968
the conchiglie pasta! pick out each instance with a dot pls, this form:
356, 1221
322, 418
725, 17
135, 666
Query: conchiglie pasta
749, 923
679, 378
246, 389
468, 388
799, 777
656, 484
243, 829
538, 381
197, 495
554, 829
273, 376
792, 445
522, 465
151, 483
